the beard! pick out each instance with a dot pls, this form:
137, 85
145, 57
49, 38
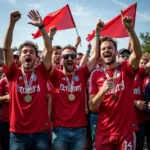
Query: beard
69, 69
109, 62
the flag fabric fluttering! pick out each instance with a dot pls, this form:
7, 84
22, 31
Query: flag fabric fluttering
62, 19
115, 28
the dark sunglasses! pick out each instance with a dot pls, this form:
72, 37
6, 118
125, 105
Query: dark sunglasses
66, 56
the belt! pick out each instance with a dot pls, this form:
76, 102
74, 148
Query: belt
70, 128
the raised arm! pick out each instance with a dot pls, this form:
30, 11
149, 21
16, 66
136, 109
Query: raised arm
86, 56
37, 21
135, 57
78, 41
96, 49
8, 55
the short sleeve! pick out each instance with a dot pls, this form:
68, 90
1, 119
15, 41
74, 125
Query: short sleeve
10, 72
93, 88
85, 71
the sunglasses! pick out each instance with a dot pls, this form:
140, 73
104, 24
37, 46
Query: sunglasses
66, 56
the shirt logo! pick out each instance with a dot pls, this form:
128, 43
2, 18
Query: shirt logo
76, 78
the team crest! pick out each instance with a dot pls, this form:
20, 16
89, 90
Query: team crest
76, 78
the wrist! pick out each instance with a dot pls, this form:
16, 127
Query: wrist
97, 35
88, 51
41, 26
51, 38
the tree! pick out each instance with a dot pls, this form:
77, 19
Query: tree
145, 37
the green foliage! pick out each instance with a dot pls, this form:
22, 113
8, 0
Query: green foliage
145, 37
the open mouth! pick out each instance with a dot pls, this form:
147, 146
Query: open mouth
28, 60
107, 55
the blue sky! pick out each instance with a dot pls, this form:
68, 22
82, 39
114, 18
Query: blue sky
85, 12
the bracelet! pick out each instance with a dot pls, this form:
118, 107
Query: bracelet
51, 38
40, 27
97, 35
88, 51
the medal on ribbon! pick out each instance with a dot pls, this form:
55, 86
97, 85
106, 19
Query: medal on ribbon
71, 96
28, 97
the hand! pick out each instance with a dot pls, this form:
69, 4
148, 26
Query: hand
78, 40
15, 16
148, 105
35, 17
140, 104
7, 98
126, 21
99, 26
52, 31
108, 85
89, 47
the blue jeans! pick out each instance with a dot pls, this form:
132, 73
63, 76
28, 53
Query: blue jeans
68, 138
4, 135
140, 136
93, 127
34, 141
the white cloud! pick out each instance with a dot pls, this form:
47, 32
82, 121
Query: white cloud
80, 11
140, 16
35, 6
120, 3
12, 1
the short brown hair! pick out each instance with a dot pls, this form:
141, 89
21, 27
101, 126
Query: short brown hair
29, 43
107, 38
70, 47
57, 47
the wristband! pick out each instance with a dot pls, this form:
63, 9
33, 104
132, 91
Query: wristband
88, 51
51, 38
40, 27
97, 35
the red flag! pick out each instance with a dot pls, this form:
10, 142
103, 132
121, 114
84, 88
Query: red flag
115, 28
62, 19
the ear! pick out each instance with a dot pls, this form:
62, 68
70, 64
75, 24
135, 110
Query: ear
116, 52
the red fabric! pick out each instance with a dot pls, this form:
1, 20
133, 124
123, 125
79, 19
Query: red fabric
115, 28
69, 113
62, 19
28, 117
5, 106
138, 93
120, 142
115, 117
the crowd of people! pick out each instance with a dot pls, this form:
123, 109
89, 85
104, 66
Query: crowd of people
65, 100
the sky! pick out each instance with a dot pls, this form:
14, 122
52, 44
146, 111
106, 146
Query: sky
86, 13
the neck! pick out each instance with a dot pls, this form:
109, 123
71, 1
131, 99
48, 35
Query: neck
57, 65
67, 73
111, 66
27, 69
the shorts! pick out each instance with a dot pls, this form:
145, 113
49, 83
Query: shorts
115, 142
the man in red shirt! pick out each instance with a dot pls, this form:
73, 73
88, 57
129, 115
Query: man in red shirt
111, 92
69, 87
29, 121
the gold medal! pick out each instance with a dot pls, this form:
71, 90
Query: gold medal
115, 97
28, 98
71, 97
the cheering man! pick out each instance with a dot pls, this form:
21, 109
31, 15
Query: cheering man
69, 116
111, 92
29, 119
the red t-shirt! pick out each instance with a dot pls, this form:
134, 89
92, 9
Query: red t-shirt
146, 80
5, 106
69, 113
27, 117
138, 93
115, 117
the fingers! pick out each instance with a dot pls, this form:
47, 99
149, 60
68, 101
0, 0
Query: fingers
122, 15
52, 29
33, 15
